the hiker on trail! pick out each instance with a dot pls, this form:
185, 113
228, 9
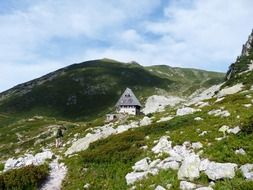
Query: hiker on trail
59, 135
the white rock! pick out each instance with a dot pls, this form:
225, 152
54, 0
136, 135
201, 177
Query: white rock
220, 170
159, 187
97, 134
184, 185
230, 90
234, 130
221, 113
202, 104
145, 121
154, 163
189, 168
247, 171
224, 129
157, 103
220, 99
247, 105
135, 176
220, 138
142, 165
198, 119
204, 164
86, 186
165, 119
206, 94
205, 188
153, 171
203, 133
240, 151
29, 159
168, 165
185, 111
197, 145
163, 146
144, 147
168, 186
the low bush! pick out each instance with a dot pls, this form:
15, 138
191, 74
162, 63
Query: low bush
123, 147
29, 177
248, 126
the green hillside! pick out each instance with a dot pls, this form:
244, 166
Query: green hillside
189, 80
91, 88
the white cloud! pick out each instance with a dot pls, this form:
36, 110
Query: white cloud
194, 33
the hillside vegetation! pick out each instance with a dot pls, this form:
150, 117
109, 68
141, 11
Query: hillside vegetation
91, 89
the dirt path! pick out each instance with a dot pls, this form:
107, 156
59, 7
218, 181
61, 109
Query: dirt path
57, 174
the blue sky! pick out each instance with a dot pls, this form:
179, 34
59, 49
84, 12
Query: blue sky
40, 36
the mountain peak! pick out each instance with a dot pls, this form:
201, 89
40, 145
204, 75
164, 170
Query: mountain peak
243, 63
247, 46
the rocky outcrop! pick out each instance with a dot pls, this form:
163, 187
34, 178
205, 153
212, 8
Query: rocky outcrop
185, 111
247, 171
157, 103
189, 168
28, 159
163, 145
217, 171
99, 133
247, 46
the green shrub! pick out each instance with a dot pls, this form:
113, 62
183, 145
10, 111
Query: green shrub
248, 126
29, 177
123, 147
1, 166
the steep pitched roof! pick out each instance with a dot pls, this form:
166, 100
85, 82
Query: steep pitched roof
128, 99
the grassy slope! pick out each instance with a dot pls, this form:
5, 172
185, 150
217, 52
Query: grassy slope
90, 89
238, 75
86, 90
190, 79
109, 160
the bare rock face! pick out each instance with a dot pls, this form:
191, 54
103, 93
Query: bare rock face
189, 168
247, 46
162, 146
145, 121
217, 171
142, 165
184, 185
135, 176
185, 111
28, 159
159, 187
247, 171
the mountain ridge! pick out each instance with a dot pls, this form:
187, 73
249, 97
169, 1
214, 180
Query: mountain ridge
73, 89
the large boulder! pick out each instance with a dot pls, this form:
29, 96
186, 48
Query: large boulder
184, 185
247, 171
159, 187
28, 159
168, 165
189, 168
142, 165
185, 111
163, 146
204, 188
135, 176
145, 121
217, 171
234, 130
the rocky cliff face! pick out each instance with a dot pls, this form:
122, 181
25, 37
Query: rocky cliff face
247, 46
244, 62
